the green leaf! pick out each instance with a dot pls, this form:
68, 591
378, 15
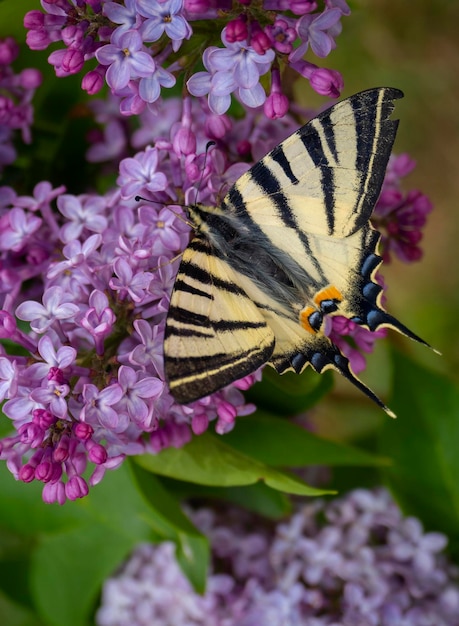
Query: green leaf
291, 393
257, 498
69, 567
168, 520
13, 614
423, 443
23, 511
207, 460
280, 442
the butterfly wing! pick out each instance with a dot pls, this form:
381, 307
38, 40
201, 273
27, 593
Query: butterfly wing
290, 244
215, 334
309, 202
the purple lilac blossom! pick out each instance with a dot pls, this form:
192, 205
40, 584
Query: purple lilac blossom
355, 560
141, 47
16, 93
400, 216
92, 389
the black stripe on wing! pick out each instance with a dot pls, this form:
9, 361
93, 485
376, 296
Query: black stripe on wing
203, 375
263, 176
278, 155
314, 147
375, 138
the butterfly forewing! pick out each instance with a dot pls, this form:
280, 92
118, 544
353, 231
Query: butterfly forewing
290, 244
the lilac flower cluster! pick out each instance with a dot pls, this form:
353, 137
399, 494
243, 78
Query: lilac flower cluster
16, 93
400, 216
354, 561
92, 280
143, 46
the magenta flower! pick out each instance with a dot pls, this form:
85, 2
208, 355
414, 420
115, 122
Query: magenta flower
126, 59
401, 216
362, 338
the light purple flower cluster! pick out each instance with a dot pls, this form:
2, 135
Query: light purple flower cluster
401, 216
143, 46
93, 280
16, 93
354, 561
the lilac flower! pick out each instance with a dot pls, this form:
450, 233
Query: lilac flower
126, 58
313, 30
282, 35
163, 17
139, 73
352, 561
363, 339
17, 228
53, 397
126, 15
236, 66
76, 255
61, 358
150, 87
98, 407
135, 393
98, 319
128, 283
83, 212
149, 351
401, 217
139, 175
110, 145
56, 306
8, 378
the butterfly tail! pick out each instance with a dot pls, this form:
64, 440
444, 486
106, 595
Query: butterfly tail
333, 358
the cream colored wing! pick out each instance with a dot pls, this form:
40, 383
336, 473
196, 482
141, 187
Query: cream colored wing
215, 334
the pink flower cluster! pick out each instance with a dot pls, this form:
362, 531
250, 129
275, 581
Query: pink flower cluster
143, 46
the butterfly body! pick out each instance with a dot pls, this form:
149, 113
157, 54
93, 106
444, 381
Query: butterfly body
290, 244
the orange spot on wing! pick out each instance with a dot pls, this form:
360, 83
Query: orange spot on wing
304, 319
328, 293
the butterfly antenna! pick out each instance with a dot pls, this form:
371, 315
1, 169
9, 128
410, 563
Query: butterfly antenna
208, 146
177, 215
169, 262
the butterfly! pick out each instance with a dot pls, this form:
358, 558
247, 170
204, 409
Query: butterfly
290, 244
